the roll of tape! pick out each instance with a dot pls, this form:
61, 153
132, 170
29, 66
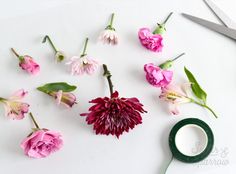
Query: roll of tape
206, 134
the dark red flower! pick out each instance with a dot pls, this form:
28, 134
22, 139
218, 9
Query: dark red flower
114, 115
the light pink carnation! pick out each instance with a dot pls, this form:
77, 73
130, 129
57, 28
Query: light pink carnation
149, 40
42, 143
157, 76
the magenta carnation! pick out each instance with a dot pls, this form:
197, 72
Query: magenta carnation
156, 76
149, 40
153, 40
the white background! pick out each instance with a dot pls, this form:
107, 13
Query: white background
210, 56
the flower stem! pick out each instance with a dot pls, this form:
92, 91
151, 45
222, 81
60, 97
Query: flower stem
168, 17
205, 106
2, 99
85, 47
178, 57
50, 42
35, 123
168, 164
112, 19
108, 75
14, 51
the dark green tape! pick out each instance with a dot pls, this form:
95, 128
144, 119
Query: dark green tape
191, 159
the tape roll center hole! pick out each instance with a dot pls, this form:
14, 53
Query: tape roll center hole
191, 140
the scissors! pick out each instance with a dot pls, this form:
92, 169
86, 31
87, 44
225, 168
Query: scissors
228, 28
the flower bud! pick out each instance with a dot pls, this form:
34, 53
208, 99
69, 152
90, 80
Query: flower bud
59, 56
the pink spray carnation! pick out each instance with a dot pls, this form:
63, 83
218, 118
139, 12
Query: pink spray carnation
149, 40
156, 76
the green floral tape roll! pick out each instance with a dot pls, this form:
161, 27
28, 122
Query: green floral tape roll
176, 144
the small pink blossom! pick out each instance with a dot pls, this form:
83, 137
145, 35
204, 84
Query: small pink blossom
42, 143
149, 40
175, 95
81, 65
14, 108
156, 76
28, 64
66, 98
109, 36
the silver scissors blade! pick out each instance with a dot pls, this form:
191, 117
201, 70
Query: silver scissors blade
220, 14
231, 33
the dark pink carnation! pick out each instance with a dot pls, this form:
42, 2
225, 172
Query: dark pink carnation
156, 76
114, 115
149, 40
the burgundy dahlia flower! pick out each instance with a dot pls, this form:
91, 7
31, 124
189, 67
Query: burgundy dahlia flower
114, 115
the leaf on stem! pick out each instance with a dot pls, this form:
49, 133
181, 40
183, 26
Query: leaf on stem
196, 88
52, 87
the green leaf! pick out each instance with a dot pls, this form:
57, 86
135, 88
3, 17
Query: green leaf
54, 87
197, 90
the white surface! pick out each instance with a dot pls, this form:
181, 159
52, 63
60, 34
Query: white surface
211, 57
188, 137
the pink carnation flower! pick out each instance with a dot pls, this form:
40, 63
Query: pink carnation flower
153, 40
14, 107
42, 143
149, 40
156, 76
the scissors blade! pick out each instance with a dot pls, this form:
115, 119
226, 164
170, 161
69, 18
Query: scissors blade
231, 33
220, 14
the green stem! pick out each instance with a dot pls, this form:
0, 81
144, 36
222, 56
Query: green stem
50, 42
168, 17
85, 47
112, 19
2, 99
108, 75
35, 123
168, 164
14, 51
205, 106
177, 57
